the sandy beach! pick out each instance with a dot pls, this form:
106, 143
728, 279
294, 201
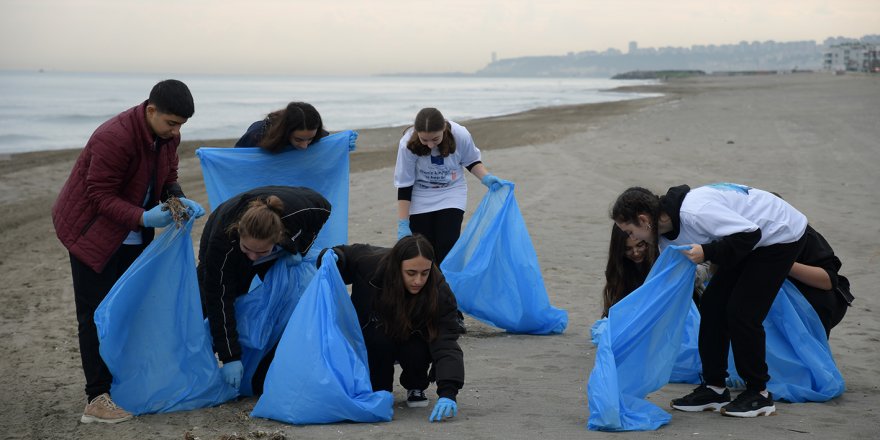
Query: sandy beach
814, 138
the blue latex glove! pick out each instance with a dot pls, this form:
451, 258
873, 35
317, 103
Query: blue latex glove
232, 373
444, 407
403, 228
297, 258
195, 210
491, 182
334, 255
157, 218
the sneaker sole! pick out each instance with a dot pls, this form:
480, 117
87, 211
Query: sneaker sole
765, 411
92, 419
699, 408
422, 404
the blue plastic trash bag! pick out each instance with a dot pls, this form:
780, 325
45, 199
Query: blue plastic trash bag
799, 359
493, 270
322, 167
636, 334
688, 367
320, 372
152, 334
262, 314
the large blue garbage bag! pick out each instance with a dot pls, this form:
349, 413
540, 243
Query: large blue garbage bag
636, 334
262, 314
320, 372
493, 270
152, 334
323, 167
688, 367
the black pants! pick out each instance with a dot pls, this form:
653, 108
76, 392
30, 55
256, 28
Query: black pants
732, 313
413, 356
89, 289
442, 229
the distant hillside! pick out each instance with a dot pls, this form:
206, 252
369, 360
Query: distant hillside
755, 56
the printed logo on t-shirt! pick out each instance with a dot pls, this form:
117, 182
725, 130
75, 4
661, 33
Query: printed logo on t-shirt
437, 160
724, 186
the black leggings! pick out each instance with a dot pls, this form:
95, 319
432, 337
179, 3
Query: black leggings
89, 289
733, 309
413, 355
442, 229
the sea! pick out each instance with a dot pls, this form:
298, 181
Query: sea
41, 110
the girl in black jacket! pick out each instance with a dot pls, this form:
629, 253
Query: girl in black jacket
243, 238
407, 314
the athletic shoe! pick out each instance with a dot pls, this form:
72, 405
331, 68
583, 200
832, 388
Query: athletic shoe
416, 399
102, 410
750, 403
702, 398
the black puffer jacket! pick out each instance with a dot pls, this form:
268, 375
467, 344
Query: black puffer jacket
358, 264
225, 272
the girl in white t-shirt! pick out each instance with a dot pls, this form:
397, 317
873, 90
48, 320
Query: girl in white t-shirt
753, 237
429, 177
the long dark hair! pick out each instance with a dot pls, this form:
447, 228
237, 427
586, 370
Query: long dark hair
401, 312
281, 123
429, 120
633, 202
623, 275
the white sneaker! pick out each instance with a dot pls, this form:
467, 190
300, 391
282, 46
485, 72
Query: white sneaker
102, 410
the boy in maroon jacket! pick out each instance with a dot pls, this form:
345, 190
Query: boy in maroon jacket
107, 210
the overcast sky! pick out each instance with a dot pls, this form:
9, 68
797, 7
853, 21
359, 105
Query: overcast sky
352, 37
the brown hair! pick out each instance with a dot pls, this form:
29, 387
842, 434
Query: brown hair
261, 220
401, 312
430, 120
281, 123
623, 275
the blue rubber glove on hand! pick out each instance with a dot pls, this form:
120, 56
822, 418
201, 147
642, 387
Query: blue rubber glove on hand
491, 182
297, 258
334, 255
444, 407
195, 210
403, 228
232, 373
156, 217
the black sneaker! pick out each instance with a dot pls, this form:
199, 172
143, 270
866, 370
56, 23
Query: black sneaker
750, 403
416, 399
702, 398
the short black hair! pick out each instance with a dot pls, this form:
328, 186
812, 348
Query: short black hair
172, 97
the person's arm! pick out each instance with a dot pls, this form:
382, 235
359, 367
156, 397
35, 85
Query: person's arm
811, 275
446, 353
219, 286
107, 174
479, 171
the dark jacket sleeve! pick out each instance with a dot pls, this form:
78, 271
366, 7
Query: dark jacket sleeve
253, 135
445, 352
732, 248
222, 276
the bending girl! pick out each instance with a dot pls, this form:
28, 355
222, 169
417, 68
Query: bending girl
298, 125
754, 238
242, 238
407, 314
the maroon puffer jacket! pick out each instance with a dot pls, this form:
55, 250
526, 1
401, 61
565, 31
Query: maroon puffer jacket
102, 200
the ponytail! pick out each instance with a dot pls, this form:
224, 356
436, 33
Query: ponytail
261, 220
